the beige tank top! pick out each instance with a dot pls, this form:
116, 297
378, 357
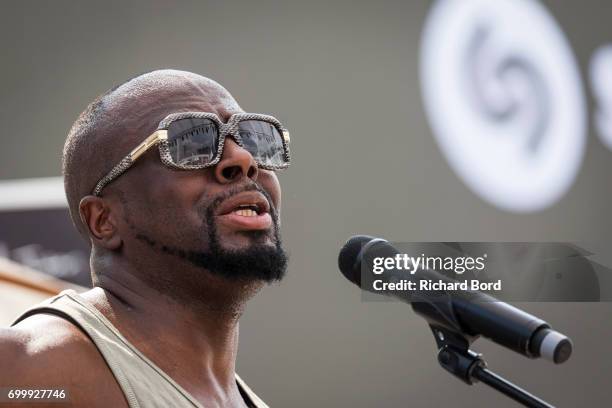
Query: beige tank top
143, 383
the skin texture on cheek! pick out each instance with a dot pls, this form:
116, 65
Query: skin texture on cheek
162, 204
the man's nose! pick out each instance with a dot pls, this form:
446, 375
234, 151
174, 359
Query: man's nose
235, 163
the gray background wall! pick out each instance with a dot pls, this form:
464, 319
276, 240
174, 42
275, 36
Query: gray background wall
320, 67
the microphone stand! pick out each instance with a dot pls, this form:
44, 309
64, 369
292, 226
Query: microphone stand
455, 357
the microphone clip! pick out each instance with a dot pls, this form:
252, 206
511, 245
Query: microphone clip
455, 356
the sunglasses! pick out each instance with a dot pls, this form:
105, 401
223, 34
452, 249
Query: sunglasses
194, 140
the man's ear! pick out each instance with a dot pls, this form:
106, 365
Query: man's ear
100, 222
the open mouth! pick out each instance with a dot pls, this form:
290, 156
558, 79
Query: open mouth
246, 211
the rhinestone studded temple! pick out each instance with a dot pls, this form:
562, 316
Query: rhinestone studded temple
118, 170
159, 138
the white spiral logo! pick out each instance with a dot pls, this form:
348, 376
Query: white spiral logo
503, 95
601, 83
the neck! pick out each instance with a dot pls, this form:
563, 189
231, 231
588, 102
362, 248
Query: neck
196, 325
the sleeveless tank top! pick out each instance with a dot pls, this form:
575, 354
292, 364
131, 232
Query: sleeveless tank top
143, 383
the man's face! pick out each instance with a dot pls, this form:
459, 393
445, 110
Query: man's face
224, 219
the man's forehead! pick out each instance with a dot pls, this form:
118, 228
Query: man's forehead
151, 97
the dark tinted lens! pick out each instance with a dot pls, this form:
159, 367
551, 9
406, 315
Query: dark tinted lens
263, 141
193, 141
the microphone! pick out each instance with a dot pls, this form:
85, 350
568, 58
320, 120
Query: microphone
468, 313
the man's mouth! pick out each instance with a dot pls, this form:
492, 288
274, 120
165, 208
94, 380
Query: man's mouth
246, 211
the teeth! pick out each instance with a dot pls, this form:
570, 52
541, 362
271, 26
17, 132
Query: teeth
246, 212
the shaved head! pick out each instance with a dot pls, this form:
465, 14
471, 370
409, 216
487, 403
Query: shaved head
118, 120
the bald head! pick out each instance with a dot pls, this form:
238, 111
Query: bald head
143, 95
118, 120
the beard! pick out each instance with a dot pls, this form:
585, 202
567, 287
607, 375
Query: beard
259, 261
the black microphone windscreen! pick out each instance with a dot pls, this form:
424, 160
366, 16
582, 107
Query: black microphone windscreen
348, 259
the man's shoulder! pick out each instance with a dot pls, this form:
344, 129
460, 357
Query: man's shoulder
45, 340
45, 351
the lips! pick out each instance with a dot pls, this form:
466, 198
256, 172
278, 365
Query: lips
252, 200
246, 211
